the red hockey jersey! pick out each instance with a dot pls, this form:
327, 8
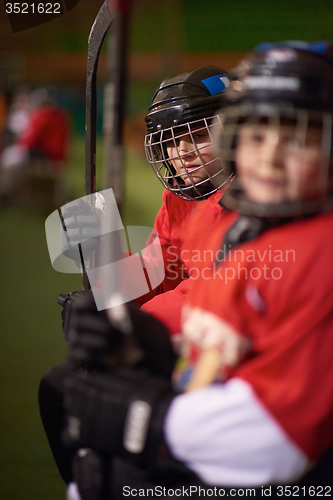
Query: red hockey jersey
276, 291
47, 133
172, 225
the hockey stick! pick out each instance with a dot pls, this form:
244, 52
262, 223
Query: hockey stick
97, 34
92, 470
108, 13
114, 106
206, 369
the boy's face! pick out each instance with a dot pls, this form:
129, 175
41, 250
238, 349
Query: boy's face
280, 163
189, 152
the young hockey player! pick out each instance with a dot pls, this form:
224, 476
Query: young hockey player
179, 148
265, 416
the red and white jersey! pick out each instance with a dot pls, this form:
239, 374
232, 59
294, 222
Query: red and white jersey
276, 292
172, 225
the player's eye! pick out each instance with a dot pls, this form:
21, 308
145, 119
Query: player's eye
169, 141
181, 138
200, 134
256, 138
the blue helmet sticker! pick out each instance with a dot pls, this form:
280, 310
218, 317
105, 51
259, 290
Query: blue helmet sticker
319, 46
216, 84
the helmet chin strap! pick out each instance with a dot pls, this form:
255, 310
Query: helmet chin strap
278, 213
248, 227
255, 218
197, 193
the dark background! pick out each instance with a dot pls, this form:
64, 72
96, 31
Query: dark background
166, 37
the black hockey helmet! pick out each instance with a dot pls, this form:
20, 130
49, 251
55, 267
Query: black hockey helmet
288, 75
291, 81
180, 105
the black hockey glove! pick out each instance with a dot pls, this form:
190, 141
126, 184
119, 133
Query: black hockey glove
97, 343
119, 414
79, 226
69, 302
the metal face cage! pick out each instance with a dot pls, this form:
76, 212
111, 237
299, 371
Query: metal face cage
293, 131
184, 159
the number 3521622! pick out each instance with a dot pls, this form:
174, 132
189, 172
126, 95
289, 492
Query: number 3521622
33, 8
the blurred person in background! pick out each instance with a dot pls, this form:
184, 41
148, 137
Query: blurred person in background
17, 115
40, 132
3, 112
46, 134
